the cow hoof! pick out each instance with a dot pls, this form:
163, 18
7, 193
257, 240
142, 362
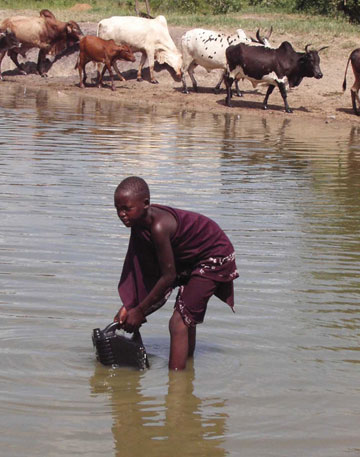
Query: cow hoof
139, 79
289, 111
44, 75
154, 81
185, 91
265, 108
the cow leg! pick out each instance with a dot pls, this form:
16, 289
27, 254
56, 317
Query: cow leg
14, 57
142, 62
82, 74
81, 83
283, 93
355, 97
150, 56
238, 91
107, 66
118, 71
268, 93
2, 54
40, 63
228, 83
184, 69
101, 75
191, 69
183, 79
217, 87
83, 61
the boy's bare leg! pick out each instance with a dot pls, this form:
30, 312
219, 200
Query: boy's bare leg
179, 342
192, 341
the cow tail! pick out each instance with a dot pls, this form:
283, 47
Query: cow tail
344, 82
77, 63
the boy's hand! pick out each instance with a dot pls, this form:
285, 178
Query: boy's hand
135, 317
121, 316
131, 319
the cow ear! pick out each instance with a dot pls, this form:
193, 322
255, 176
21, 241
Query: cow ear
160, 57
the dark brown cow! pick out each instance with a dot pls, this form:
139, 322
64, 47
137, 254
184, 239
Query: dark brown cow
7, 41
95, 49
272, 67
354, 58
44, 32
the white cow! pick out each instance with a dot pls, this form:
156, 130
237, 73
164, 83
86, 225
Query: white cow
207, 49
151, 37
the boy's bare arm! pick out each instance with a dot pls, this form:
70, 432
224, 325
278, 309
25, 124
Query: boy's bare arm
161, 236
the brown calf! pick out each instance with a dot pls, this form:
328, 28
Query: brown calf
95, 49
355, 63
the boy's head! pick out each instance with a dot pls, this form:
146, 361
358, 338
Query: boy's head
132, 200
135, 186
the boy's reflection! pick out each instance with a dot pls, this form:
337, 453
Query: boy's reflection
175, 422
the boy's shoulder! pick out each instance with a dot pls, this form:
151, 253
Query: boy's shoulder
163, 218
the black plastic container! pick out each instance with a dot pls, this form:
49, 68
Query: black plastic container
119, 350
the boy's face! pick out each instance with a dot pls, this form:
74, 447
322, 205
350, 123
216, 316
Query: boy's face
130, 208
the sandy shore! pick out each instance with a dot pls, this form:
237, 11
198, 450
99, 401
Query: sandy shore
322, 99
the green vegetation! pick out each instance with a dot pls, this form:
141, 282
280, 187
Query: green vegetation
324, 18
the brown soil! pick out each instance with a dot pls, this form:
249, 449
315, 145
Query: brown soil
321, 99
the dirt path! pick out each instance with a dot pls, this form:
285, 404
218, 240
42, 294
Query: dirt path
322, 99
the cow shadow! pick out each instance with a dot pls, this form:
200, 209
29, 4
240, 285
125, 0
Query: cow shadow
243, 103
201, 90
28, 68
222, 90
348, 111
131, 74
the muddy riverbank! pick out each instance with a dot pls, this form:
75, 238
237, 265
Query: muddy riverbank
321, 99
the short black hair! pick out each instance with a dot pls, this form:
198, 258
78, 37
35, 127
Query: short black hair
136, 185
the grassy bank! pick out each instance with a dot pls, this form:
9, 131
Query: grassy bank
323, 28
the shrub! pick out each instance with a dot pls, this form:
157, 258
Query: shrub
198, 6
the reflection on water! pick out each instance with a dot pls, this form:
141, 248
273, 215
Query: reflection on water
278, 378
153, 421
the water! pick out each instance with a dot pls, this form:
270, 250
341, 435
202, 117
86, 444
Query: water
278, 378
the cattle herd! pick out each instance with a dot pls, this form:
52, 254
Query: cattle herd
119, 37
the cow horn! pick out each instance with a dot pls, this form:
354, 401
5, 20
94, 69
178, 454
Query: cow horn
306, 48
269, 33
258, 36
324, 47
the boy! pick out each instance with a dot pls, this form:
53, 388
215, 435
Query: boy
170, 247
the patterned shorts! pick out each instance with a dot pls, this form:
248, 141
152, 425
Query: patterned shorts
192, 299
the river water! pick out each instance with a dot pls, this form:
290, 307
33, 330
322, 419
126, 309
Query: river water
280, 377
